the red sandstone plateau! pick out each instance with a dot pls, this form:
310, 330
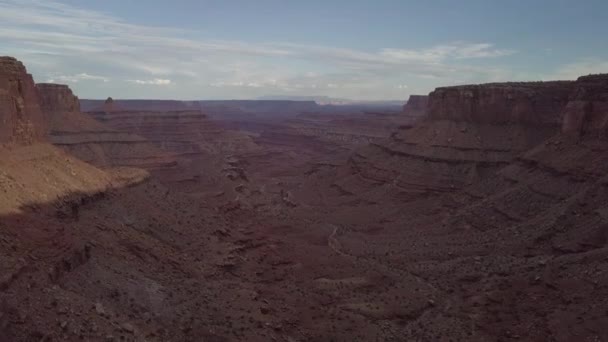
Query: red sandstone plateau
477, 213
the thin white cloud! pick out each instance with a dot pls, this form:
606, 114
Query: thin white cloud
439, 53
77, 78
53, 36
156, 81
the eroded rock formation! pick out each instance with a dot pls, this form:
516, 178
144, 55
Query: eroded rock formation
416, 106
57, 98
92, 141
20, 114
587, 109
470, 132
497, 103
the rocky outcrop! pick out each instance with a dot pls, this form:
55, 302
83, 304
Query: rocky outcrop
177, 131
138, 105
21, 119
549, 204
470, 132
416, 105
185, 132
587, 109
57, 97
198, 145
91, 141
346, 130
498, 103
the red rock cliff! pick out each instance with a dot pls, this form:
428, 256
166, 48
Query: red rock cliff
470, 132
587, 110
57, 97
416, 105
496, 103
21, 119
91, 141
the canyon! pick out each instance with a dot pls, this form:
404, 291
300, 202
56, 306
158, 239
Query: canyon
473, 213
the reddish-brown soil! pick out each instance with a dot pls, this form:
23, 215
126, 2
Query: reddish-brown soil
485, 220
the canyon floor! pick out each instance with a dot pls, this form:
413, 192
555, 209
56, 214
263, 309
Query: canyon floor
157, 222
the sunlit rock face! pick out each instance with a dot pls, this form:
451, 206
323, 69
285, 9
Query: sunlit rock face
21, 119
57, 97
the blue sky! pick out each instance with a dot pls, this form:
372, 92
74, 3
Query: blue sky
221, 49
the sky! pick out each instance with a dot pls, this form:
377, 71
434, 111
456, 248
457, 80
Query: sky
245, 49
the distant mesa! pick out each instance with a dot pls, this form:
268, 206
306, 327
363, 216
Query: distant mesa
57, 97
326, 100
535, 103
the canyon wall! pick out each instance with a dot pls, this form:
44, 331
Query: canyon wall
141, 105
498, 103
214, 108
200, 146
57, 97
469, 133
33, 172
92, 141
587, 109
416, 106
21, 118
179, 131
187, 132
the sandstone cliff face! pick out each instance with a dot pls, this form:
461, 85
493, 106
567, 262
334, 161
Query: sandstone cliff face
549, 203
416, 105
21, 120
186, 132
91, 141
346, 130
497, 103
138, 105
57, 97
470, 133
177, 131
587, 110
198, 145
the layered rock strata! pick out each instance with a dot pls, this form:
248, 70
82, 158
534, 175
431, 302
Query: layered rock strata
469, 133
21, 118
91, 141
416, 106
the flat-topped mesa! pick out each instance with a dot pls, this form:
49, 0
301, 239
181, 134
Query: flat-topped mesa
178, 131
528, 103
469, 133
20, 113
57, 97
110, 104
587, 110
